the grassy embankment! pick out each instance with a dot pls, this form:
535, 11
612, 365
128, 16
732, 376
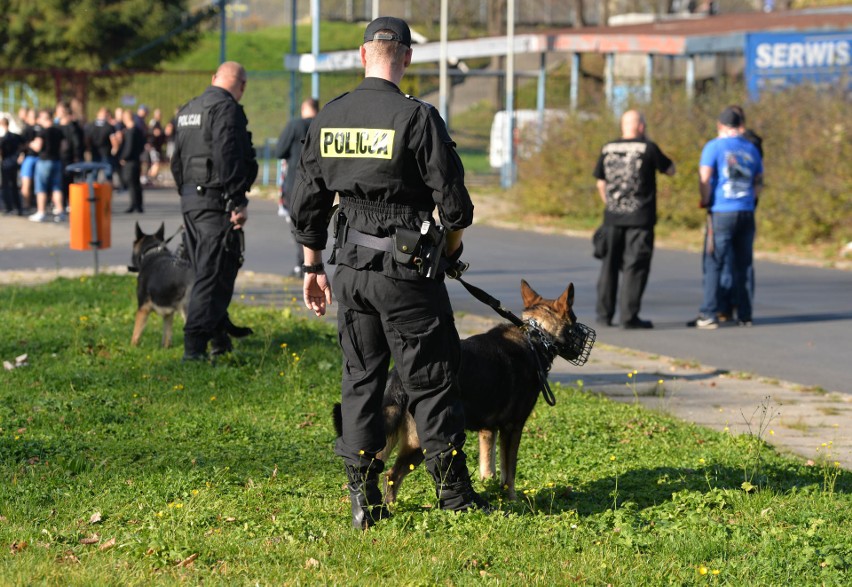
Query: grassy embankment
124, 466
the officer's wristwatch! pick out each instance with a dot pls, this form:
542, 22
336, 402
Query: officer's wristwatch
315, 268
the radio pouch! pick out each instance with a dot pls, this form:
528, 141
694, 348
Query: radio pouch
406, 243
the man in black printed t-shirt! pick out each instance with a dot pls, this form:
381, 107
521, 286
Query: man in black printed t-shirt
627, 184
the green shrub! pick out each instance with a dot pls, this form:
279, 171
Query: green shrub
807, 152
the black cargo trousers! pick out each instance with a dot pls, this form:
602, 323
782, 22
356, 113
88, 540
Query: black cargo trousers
629, 251
215, 252
380, 318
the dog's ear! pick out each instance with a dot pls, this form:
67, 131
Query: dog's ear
529, 295
566, 300
139, 233
161, 232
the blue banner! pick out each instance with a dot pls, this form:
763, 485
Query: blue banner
779, 60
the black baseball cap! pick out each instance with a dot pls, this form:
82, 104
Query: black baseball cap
731, 118
392, 29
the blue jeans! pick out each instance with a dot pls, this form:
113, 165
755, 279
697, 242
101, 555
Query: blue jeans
48, 176
732, 241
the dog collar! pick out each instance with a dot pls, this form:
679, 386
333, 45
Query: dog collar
155, 249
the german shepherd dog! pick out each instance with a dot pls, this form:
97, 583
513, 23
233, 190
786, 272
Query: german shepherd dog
501, 374
163, 284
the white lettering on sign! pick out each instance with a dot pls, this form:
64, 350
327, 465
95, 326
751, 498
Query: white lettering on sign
806, 54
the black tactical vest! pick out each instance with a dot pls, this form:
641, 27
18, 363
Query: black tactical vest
193, 135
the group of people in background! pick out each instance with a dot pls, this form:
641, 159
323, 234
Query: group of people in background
34, 161
730, 182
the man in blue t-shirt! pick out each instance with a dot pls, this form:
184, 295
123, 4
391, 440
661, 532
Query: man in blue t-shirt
730, 179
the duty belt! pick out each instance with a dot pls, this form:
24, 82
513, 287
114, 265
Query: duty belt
368, 240
200, 190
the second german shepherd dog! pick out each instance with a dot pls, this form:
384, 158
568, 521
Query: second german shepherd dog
163, 284
500, 378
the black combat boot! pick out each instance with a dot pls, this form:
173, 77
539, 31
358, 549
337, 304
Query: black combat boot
452, 483
220, 345
194, 348
365, 496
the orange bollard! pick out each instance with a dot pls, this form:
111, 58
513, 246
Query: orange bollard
81, 215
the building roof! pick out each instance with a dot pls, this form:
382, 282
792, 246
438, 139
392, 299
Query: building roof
707, 34
723, 33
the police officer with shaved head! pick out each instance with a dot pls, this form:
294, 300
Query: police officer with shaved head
392, 162
214, 167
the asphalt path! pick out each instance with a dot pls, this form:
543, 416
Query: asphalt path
802, 315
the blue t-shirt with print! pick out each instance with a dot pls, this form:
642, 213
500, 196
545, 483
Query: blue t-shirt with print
735, 162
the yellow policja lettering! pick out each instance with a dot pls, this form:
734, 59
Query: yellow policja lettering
365, 143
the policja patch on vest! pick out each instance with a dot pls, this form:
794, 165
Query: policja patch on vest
365, 143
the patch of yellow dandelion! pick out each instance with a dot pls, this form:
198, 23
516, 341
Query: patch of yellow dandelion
455, 452
612, 457
702, 570
411, 467
361, 452
771, 433
212, 398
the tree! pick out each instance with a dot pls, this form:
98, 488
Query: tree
70, 36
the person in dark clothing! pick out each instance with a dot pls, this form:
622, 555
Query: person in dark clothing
129, 156
10, 147
214, 166
48, 169
392, 162
98, 135
289, 149
627, 184
73, 145
30, 157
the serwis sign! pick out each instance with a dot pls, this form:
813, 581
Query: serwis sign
777, 60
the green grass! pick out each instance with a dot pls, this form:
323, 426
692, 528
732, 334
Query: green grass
230, 470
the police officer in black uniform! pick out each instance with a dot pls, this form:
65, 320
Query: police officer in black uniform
390, 159
214, 166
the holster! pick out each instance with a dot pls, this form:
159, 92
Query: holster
338, 232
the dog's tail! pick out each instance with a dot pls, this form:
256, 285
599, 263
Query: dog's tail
394, 407
236, 331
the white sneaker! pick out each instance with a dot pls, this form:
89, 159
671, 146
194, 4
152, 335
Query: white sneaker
704, 323
38, 217
283, 213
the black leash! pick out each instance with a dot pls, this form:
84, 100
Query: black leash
531, 330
